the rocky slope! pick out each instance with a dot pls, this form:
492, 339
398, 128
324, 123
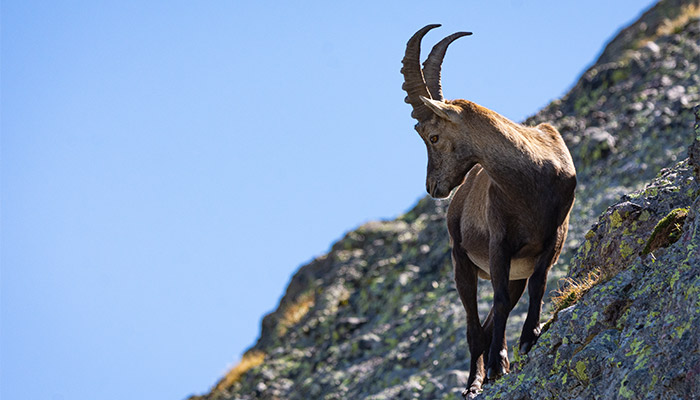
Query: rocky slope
378, 316
632, 330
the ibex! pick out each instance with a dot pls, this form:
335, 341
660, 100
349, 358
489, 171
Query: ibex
508, 220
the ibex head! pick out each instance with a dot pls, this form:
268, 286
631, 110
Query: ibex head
439, 122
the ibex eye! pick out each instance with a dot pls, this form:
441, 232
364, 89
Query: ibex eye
433, 139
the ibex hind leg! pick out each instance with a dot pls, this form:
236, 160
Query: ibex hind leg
536, 288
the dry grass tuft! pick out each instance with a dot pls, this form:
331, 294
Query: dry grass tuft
671, 26
573, 290
294, 312
249, 360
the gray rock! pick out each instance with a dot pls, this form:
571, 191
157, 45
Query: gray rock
370, 342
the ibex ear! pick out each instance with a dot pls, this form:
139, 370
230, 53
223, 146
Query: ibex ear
442, 109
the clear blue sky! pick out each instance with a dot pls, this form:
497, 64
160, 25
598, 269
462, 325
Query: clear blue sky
166, 166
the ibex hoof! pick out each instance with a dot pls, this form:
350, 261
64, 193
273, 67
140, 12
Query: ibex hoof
526, 347
471, 392
495, 372
527, 341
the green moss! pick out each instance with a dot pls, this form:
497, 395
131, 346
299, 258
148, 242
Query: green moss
619, 75
651, 317
615, 219
581, 105
667, 231
641, 351
693, 292
556, 366
567, 301
594, 319
680, 330
670, 318
580, 371
654, 381
626, 250
624, 391
674, 278
516, 354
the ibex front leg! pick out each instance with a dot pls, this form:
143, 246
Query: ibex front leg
466, 282
515, 291
499, 260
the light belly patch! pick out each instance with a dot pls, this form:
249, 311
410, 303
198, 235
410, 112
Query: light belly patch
520, 268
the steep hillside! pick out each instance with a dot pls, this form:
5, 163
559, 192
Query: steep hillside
378, 316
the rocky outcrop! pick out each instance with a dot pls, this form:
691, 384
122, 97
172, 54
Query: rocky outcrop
378, 316
661, 20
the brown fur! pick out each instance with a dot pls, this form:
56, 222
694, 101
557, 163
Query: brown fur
509, 218
507, 221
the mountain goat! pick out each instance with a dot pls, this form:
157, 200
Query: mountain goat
508, 219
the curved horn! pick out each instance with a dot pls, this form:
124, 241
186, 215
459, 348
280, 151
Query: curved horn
414, 84
432, 65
